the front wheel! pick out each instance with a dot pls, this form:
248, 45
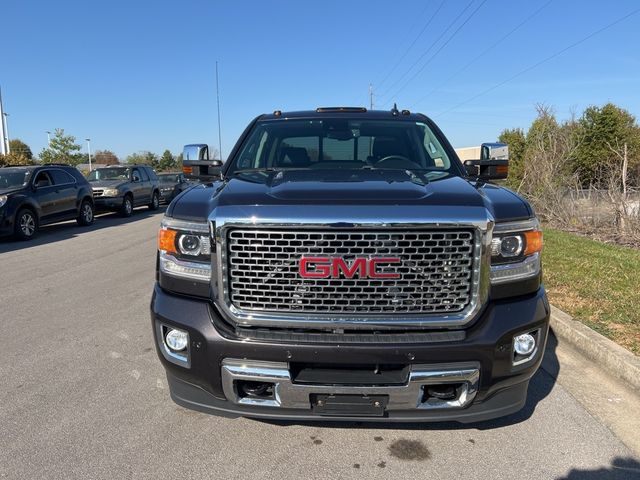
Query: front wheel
127, 206
26, 224
155, 201
85, 217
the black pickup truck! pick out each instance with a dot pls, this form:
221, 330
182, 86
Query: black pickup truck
344, 264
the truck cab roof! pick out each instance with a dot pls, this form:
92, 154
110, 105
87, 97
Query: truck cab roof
350, 112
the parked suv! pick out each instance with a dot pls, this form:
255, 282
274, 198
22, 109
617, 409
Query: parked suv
31, 196
122, 188
171, 184
344, 264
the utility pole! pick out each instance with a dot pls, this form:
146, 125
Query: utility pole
89, 150
218, 101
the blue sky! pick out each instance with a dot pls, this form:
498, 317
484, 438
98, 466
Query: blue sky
140, 75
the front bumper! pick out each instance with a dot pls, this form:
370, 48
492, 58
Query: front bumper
494, 386
166, 196
108, 203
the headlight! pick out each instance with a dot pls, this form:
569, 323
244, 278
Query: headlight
3, 200
185, 249
110, 192
508, 246
515, 251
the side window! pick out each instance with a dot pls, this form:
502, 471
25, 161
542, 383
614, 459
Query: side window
60, 177
75, 173
135, 175
42, 179
253, 152
143, 173
152, 175
435, 153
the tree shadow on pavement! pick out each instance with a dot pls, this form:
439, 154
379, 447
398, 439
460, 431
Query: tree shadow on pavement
66, 230
539, 387
621, 469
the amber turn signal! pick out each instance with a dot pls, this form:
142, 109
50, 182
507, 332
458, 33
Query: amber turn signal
167, 240
502, 169
533, 239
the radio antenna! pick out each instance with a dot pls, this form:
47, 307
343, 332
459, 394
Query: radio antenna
218, 101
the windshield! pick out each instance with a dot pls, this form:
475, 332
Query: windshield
13, 178
168, 178
343, 144
118, 173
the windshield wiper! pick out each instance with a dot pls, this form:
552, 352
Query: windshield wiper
250, 170
417, 178
416, 174
269, 169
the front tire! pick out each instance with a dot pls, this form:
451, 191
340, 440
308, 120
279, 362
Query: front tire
86, 215
127, 206
155, 201
26, 224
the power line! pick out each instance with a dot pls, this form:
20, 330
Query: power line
537, 64
402, 57
438, 51
484, 52
428, 50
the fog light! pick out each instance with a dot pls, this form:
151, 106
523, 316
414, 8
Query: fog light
177, 340
524, 344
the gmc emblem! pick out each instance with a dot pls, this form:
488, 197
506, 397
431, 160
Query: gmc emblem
328, 267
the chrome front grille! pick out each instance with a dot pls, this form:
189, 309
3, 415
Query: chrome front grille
97, 192
435, 272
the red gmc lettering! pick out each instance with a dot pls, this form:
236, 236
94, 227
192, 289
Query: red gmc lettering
321, 267
373, 264
339, 265
325, 267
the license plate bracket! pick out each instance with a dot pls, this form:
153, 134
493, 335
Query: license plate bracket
346, 405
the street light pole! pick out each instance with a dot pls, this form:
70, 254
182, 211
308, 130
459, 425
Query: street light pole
89, 150
6, 131
3, 135
48, 138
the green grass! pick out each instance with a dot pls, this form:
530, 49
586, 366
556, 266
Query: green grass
596, 283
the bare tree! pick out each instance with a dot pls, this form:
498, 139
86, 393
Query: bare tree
617, 190
547, 176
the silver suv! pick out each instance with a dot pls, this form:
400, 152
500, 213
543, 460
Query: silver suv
122, 188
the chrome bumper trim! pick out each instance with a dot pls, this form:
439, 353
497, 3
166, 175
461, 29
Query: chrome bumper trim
288, 394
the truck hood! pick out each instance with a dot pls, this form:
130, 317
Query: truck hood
315, 189
107, 183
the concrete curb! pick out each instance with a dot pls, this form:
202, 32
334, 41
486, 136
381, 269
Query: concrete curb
607, 354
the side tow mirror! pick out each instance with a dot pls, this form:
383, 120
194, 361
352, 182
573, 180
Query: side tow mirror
196, 164
493, 163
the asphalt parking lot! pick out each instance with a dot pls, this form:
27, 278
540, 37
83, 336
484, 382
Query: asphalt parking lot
84, 396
